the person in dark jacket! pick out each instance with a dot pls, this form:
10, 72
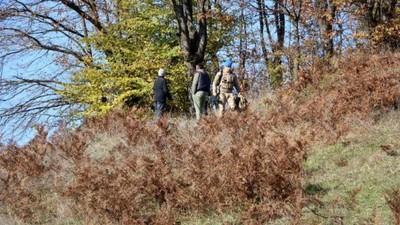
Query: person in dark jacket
161, 94
200, 90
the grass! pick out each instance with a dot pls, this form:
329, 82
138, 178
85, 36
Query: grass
350, 178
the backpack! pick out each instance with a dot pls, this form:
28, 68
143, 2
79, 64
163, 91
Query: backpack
227, 80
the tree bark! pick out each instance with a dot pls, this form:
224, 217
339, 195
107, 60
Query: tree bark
193, 40
326, 18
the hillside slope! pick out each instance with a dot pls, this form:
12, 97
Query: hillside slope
270, 164
356, 180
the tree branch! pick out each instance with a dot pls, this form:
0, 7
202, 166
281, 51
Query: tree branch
78, 10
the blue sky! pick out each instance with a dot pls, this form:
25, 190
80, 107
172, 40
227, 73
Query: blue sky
27, 66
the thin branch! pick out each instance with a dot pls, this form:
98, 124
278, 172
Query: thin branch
42, 82
78, 10
54, 48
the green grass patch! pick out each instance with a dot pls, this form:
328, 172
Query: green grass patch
349, 180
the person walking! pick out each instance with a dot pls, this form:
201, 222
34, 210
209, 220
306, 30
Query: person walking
223, 84
200, 90
161, 94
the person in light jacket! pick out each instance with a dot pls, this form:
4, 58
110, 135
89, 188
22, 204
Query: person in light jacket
224, 83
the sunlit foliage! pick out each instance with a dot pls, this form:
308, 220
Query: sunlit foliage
127, 57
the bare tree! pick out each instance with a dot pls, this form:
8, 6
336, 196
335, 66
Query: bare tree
294, 10
273, 19
41, 44
272, 61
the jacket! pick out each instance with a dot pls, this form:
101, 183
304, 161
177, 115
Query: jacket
201, 82
161, 91
225, 81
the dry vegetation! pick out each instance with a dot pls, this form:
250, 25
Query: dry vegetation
123, 170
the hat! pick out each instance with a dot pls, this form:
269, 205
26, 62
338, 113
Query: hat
228, 64
161, 72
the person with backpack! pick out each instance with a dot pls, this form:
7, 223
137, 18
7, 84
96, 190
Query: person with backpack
200, 90
161, 94
223, 84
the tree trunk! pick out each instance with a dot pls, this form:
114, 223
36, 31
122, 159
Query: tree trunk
242, 45
278, 48
192, 41
326, 18
296, 60
274, 67
262, 19
380, 11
